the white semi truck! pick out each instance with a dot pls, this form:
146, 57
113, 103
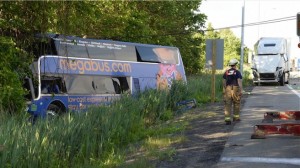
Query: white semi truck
271, 62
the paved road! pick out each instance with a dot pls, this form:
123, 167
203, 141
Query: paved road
276, 151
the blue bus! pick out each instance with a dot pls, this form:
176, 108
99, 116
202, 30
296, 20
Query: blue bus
71, 73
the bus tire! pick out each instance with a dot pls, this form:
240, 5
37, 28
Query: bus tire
54, 111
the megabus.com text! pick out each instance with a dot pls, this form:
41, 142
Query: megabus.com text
94, 66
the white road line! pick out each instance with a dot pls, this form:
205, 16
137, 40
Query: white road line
293, 90
293, 161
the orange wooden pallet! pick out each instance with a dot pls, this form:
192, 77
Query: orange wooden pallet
261, 130
286, 115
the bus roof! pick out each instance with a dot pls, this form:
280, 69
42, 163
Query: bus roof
72, 46
59, 37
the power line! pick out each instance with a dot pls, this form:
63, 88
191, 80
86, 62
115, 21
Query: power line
258, 23
180, 33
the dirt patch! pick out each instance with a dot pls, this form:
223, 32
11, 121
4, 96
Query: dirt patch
206, 138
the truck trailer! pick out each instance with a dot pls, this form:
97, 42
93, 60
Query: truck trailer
271, 62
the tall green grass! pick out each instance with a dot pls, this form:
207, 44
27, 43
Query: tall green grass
94, 138
200, 87
97, 138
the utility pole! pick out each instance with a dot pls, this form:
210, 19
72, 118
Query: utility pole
242, 38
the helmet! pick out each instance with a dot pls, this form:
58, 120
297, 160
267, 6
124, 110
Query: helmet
233, 62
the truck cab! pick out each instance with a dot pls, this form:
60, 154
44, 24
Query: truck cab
271, 62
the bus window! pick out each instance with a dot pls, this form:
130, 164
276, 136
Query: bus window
108, 85
74, 50
117, 85
104, 85
79, 84
166, 55
87, 84
52, 85
121, 84
158, 55
127, 53
146, 54
96, 49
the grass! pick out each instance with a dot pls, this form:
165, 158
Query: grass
145, 127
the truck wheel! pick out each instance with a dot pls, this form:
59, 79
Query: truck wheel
282, 80
288, 78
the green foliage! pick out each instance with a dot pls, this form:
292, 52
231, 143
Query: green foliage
247, 79
200, 87
211, 33
11, 97
178, 92
232, 44
154, 103
85, 139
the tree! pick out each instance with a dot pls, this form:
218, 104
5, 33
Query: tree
156, 22
211, 33
11, 68
232, 45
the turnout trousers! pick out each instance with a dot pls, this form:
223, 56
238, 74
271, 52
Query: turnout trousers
232, 98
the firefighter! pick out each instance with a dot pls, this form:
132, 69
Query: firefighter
232, 91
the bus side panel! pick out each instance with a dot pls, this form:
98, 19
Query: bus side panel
160, 76
39, 107
114, 68
83, 102
71, 103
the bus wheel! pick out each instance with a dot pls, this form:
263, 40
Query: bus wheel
54, 111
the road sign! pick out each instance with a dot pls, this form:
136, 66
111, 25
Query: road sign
218, 49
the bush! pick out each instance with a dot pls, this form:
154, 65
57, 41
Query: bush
12, 93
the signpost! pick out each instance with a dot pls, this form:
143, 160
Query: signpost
214, 60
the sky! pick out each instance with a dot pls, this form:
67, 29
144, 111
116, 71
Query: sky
226, 13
